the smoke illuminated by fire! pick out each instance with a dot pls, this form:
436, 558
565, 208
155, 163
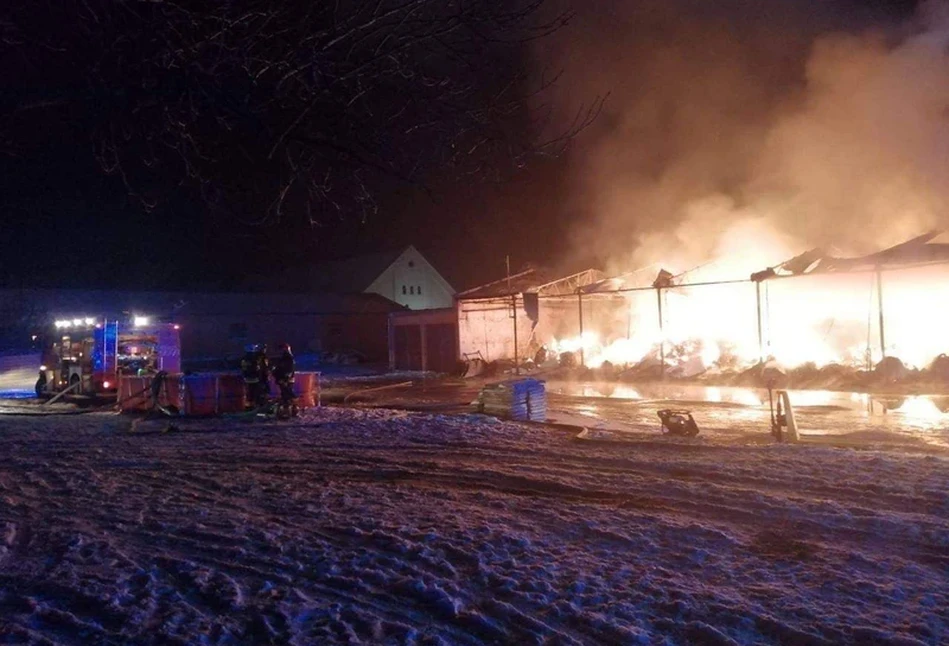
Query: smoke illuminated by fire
719, 157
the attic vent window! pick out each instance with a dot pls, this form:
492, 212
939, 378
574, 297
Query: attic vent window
411, 263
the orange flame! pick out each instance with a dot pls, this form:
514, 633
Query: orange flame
823, 320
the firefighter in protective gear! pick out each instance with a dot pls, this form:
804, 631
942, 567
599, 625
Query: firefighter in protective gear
263, 371
284, 370
250, 371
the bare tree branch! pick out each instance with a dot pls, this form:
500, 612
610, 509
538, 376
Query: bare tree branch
273, 108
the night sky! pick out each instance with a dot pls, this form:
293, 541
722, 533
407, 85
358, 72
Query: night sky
68, 223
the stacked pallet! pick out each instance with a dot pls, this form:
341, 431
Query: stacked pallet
518, 399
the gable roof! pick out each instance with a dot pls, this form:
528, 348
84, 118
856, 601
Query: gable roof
351, 275
435, 275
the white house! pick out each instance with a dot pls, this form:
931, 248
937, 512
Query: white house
403, 276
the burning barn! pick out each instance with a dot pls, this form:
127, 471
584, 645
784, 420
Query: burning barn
524, 317
654, 321
850, 312
857, 311
643, 319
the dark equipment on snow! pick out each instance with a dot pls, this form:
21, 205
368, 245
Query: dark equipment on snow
774, 377
778, 419
783, 424
678, 422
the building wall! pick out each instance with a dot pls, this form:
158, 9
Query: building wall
224, 336
413, 282
488, 327
424, 340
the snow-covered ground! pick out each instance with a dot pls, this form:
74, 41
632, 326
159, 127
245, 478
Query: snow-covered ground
381, 527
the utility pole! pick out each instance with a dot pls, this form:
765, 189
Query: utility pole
880, 304
662, 336
580, 312
760, 335
517, 363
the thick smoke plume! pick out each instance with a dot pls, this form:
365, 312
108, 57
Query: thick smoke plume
754, 130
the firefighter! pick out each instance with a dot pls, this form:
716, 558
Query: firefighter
41, 384
250, 371
263, 372
283, 371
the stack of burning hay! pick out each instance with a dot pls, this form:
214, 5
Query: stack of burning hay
518, 399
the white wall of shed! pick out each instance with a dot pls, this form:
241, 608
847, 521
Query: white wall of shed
488, 328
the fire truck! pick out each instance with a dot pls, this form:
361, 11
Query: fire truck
87, 355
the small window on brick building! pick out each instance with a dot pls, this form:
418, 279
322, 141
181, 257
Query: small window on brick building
411, 289
403, 289
418, 290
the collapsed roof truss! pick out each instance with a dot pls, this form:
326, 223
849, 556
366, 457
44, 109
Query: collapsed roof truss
916, 252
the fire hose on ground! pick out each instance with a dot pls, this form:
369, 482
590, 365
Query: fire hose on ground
45, 412
404, 384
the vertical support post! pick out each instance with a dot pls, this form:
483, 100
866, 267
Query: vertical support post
457, 305
390, 339
880, 304
423, 340
517, 361
580, 315
760, 335
662, 336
